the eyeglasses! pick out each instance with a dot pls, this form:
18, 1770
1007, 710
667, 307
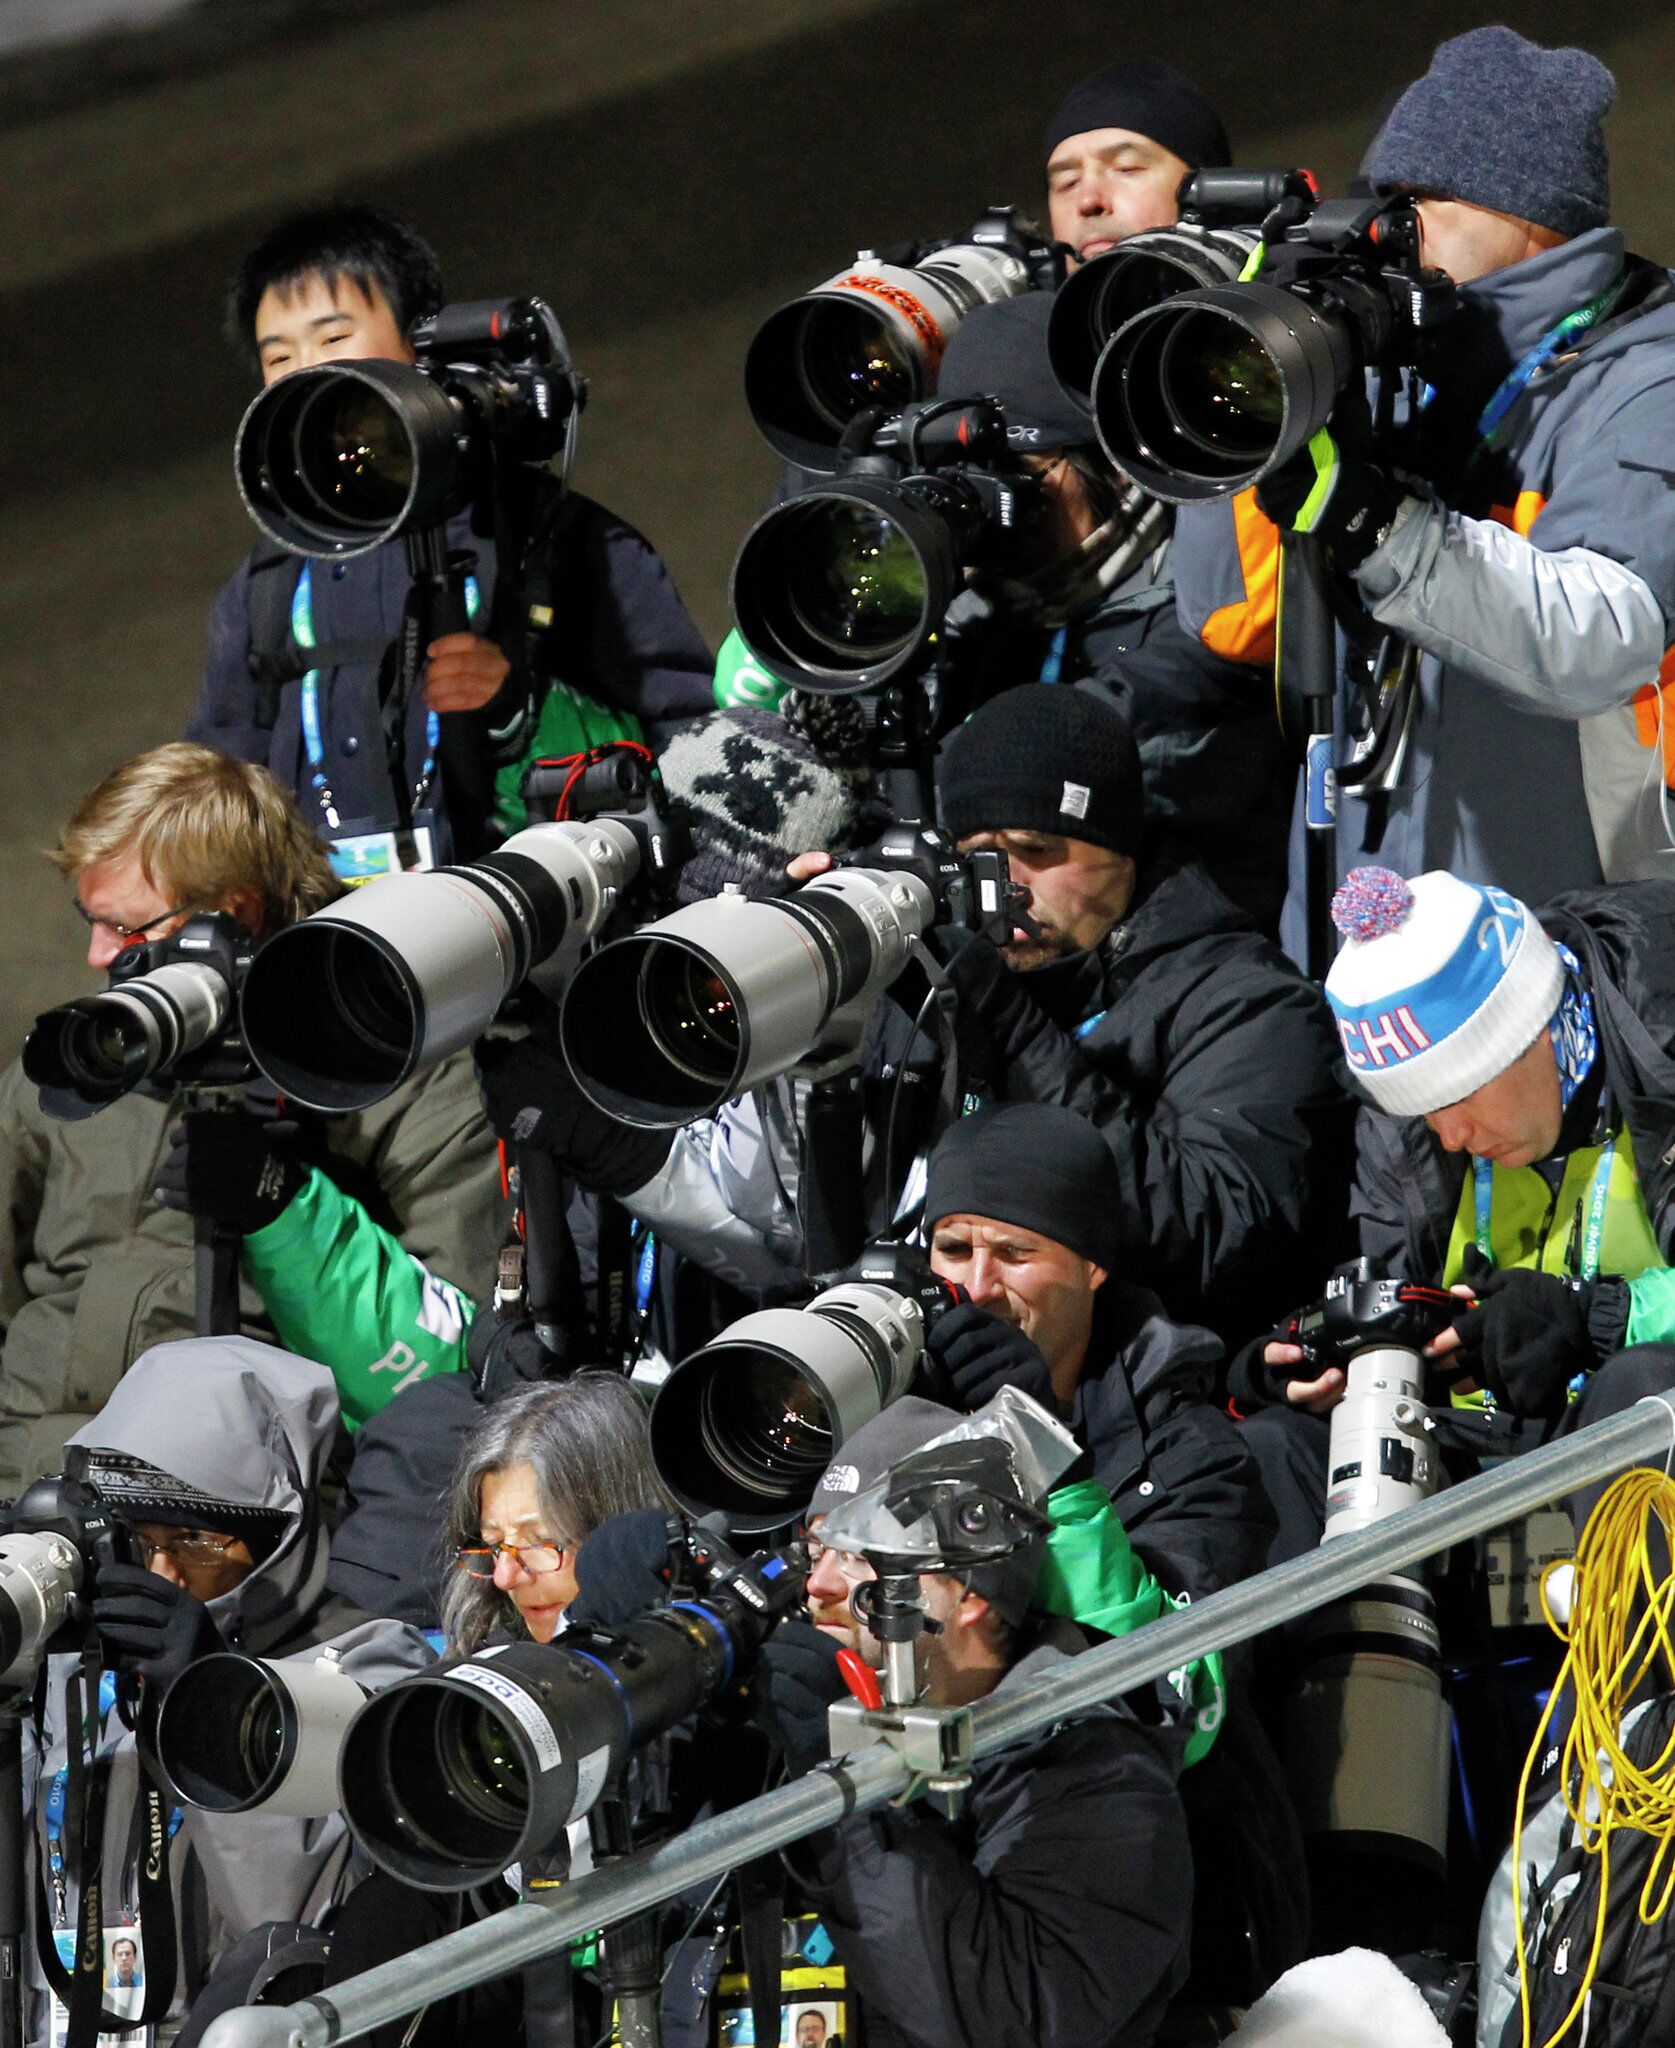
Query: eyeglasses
125, 932
853, 1569
186, 1546
478, 1561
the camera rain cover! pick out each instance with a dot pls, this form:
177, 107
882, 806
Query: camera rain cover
949, 1504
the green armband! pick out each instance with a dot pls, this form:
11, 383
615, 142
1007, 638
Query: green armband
1090, 1575
1651, 1307
341, 1289
741, 679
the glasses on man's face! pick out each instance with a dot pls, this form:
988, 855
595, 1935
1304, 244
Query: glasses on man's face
185, 1546
478, 1561
125, 932
853, 1569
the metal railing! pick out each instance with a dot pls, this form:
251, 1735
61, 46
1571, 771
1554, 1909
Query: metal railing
869, 1778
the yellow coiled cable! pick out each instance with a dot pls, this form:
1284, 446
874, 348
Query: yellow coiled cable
1618, 1640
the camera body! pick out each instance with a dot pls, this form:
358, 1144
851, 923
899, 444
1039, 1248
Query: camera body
448, 1778
339, 458
169, 1017
54, 1539
1357, 1312
845, 586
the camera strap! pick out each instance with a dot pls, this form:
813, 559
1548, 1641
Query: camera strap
81, 1987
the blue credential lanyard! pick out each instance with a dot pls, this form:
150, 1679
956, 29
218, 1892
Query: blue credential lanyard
302, 631
1512, 386
52, 1806
1052, 668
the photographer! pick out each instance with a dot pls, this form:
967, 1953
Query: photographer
1056, 1910
210, 1453
585, 640
1139, 997
1531, 558
94, 1268
1514, 1144
1118, 145
1090, 601
1021, 1208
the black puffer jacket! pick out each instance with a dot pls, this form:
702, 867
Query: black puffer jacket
1211, 1067
1407, 1188
1185, 1488
1053, 1914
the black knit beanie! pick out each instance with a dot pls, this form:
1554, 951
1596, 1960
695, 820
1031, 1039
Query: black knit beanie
1035, 1165
1147, 97
1044, 757
1000, 351
1501, 122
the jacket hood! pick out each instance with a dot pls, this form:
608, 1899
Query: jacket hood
244, 1423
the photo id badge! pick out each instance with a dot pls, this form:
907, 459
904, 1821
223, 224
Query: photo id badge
124, 1985
358, 857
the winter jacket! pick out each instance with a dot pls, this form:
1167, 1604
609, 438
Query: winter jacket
93, 1271
1185, 1488
1537, 583
619, 634
1218, 778
1208, 1063
1054, 1913
252, 1425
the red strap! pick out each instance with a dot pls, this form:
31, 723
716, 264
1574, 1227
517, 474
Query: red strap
861, 1679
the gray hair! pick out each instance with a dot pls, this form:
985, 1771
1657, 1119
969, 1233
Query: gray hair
586, 1440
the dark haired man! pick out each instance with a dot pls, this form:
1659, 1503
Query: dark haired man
586, 642
1118, 145
1139, 997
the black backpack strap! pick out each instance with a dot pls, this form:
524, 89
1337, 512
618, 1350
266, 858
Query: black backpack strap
272, 653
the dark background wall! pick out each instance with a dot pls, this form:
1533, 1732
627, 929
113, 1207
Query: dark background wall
665, 171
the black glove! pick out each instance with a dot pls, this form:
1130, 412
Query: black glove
797, 1679
530, 1099
149, 1625
981, 1354
238, 1166
1337, 495
622, 1570
1531, 1333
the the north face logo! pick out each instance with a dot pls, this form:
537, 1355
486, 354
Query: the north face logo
842, 1479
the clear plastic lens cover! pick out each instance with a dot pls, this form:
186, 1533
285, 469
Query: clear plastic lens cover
1040, 1451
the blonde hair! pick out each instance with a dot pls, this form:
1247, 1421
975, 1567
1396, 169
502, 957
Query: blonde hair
203, 827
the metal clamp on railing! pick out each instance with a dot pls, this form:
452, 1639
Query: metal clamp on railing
868, 1777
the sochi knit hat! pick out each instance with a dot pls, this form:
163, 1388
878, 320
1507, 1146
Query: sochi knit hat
752, 788
1501, 122
1044, 758
1440, 986
1000, 351
1147, 97
1035, 1165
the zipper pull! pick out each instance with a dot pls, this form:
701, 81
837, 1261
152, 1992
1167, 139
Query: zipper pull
1561, 1962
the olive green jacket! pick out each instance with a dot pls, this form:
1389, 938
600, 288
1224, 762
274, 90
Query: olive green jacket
93, 1271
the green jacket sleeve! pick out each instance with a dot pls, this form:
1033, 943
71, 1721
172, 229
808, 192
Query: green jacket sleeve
1651, 1307
342, 1290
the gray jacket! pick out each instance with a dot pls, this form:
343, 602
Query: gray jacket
1537, 582
253, 1425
